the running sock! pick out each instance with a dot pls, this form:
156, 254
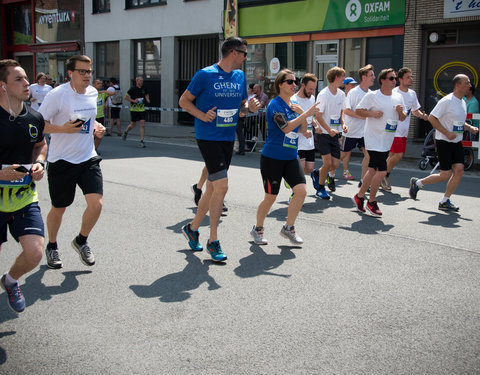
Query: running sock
9, 280
321, 187
444, 199
258, 229
52, 246
81, 240
316, 173
419, 184
288, 227
331, 174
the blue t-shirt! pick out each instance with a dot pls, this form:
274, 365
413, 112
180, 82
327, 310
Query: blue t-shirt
278, 144
212, 87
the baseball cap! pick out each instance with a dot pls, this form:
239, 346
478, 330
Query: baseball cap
349, 80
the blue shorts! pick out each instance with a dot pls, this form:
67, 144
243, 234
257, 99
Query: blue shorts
27, 220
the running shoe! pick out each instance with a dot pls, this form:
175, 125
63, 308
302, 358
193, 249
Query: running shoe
322, 193
16, 301
257, 234
53, 258
216, 252
447, 206
372, 207
385, 184
192, 237
224, 208
331, 183
315, 179
86, 255
291, 235
359, 205
124, 136
142, 144
347, 175
197, 193
286, 184
414, 188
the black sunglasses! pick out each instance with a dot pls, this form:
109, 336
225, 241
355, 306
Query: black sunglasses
245, 53
290, 81
392, 78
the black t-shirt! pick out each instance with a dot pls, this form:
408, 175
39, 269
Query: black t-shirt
137, 92
18, 137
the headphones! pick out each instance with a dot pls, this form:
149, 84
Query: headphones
3, 87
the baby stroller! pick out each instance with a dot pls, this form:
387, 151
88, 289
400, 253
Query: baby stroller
429, 152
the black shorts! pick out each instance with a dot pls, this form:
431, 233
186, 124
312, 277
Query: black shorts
115, 112
273, 170
449, 153
307, 155
101, 120
137, 116
27, 220
329, 145
217, 156
348, 144
63, 178
378, 160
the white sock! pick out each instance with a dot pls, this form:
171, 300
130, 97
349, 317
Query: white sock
345, 171
444, 199
9, 279
331, 174
419, 183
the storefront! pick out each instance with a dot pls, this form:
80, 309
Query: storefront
42, 35
313, 36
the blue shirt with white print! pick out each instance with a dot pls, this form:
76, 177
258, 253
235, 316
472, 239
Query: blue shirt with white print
212, 87
279, 145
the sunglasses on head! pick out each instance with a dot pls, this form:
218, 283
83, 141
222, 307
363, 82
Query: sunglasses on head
290, 81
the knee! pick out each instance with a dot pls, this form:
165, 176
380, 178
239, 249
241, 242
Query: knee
34, 254
221, 188
300, 190
95, 205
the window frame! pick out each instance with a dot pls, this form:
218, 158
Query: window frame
129, 5
96, 9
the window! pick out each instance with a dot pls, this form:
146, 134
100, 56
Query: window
148, 63
107, 60
101, 6
129, 4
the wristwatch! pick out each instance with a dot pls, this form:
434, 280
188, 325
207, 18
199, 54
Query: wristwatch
41, 163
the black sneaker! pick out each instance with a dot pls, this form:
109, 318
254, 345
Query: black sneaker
197, 193
331, 183
86, 255
224, 208
53, 258
447, 206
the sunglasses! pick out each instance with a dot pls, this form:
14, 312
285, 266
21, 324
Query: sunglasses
392, 78
82, 72
245, 53
290, 81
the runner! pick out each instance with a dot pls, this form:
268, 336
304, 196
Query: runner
219, 91
22, 156
279, 156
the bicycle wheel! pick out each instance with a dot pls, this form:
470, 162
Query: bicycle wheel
468, 158
423, 164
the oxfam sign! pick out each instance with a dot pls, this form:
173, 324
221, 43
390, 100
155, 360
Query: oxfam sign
353, 10
369, 13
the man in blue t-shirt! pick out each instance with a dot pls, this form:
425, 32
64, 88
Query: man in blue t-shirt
220, 93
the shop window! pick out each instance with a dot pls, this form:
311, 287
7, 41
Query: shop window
101, 6
385, 52
148, 58
300, 56
130, 4
22, 25
107, 60
353, 53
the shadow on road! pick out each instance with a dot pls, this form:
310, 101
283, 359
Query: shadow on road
260, 263
368, 225
35, 290
3, 352
176, 286
441, 219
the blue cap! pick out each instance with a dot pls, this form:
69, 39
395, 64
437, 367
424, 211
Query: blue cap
349, 80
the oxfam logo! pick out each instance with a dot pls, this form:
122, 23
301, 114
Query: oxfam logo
353, 10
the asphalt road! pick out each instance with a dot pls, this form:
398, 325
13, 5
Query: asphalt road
397, 295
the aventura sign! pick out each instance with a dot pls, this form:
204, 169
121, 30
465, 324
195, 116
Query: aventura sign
57, 17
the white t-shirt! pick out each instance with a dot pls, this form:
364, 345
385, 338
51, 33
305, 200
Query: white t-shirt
305, 103
39, 92
355, 125
379, 133
57, 108
452, 113
331, 107
411, 104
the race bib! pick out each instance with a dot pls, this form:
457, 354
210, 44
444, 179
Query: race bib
226, 118
458, 127
99, 101
335, 121
85, 127
391, 126
140, 101
26, 180
290, 140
